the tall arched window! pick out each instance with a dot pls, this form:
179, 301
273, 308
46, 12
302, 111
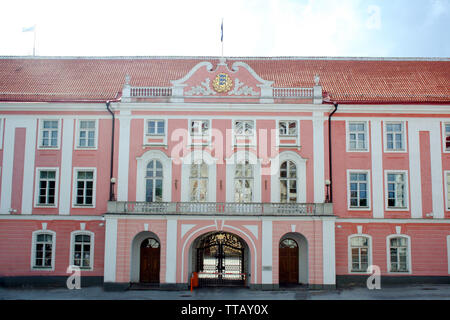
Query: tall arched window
198, 181
398, 250
243, 182
288, 182
154, 181
359, 247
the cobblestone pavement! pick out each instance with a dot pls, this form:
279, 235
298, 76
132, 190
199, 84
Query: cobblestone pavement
410, 292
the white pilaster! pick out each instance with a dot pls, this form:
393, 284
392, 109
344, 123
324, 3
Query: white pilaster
7, 166
319, 154
171, 253
436, 170
329, 256
377, 169
266, 252
66, 166
28, 166
124, 157
110, 250
415, 177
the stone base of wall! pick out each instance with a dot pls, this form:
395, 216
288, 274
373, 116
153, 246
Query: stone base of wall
361, 280
47, 281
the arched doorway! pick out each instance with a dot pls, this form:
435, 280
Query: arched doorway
150, 261
220, 259
293, 259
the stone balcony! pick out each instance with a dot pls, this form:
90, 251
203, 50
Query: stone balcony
220, 209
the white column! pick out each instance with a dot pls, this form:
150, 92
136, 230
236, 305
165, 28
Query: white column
377, 169
7, 165
171, 253
266, 252
124, 157
28, 166
66, 166
436, 170
415, 177
328, 250
319, 157
110, 250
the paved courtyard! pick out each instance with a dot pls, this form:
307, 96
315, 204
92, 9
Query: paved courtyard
410, 292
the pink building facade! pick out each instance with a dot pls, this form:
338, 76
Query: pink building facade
256, 172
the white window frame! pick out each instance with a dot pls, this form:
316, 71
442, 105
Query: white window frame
447, 189
72, 248
41, 134
167, 174
444, 136
155, 135
349, 207
448, 253
403, 125
74, 187
387, 208
37, 188
207, 135
33, 250
369, 252
388, 253
251, 137
77, 144
366, 135
279, 136
2, 121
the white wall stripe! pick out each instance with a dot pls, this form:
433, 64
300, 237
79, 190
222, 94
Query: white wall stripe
124, 155
319, 154
377, 169
266, 251
171, 253
436, 171
414, 169
66, 167
110, 250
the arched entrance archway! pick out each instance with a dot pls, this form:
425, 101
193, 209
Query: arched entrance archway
145, 258
221, 259
293, 259
150, 261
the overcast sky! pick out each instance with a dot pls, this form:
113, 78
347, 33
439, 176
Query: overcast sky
363, 28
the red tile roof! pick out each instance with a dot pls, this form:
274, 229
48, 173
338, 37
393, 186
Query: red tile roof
368, 80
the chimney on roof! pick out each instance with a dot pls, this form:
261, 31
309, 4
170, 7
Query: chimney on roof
126, 90
317, 90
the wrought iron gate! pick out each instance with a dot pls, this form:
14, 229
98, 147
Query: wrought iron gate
220, 260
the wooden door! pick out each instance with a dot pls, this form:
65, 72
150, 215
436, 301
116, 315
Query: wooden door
150, 263
288, 263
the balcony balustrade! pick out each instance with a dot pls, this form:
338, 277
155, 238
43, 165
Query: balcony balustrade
218, 208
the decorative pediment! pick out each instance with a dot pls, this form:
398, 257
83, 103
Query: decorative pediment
239, 81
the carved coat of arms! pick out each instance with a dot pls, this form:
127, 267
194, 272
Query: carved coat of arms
222, 83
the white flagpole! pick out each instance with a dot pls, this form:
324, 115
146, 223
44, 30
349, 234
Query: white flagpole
221, 38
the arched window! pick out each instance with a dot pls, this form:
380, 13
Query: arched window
288, 182
398, 251
154, 181
243, 182
150, 243
359, 250
198, 181
82, 250
288, 243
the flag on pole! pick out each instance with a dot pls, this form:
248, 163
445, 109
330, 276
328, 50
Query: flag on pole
221, 31
29, 29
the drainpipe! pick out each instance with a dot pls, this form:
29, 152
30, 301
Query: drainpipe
111, 181
329, 151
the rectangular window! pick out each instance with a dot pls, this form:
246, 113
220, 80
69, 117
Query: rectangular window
49, 133
396, 189
287, 128
358, 190
87, 134
156, 127
447, 136
399, 254
359, 254
199, 127
395, 136
82, 251
46, 187
244, 128
43, 251
84, 190
357, 136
